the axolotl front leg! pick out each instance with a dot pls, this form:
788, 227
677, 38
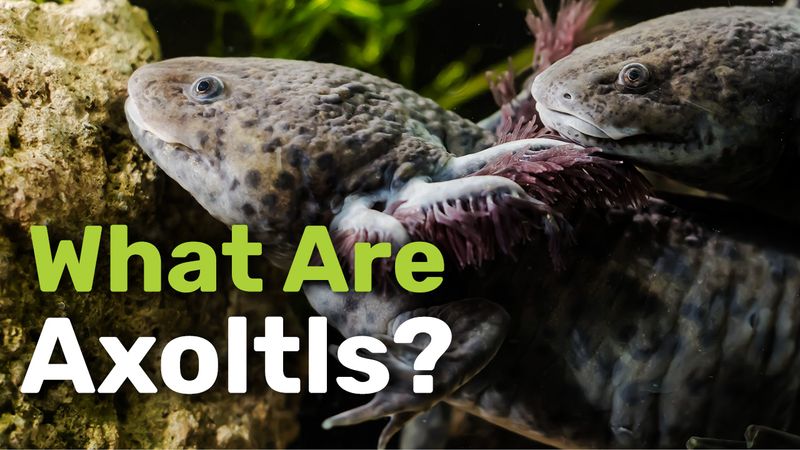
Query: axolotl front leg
478, 328
479, 206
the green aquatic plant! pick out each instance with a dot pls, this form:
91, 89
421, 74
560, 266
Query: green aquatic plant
364, 31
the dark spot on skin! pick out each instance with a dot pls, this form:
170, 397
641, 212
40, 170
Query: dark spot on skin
271, 146
605, 362
778, 269
220, 132
235, 184
202, 136
249, 123
253, 178
753, 320
269, 200
285, 181
248, 209
295, 155
325, 161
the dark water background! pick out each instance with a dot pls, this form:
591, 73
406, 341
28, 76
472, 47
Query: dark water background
496, 29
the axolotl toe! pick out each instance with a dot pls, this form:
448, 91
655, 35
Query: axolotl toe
710, 97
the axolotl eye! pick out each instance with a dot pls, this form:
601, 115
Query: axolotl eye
634, 77
207, 88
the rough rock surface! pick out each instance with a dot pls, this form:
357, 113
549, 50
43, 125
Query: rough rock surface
66, 161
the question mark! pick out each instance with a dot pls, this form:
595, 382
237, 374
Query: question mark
441, 336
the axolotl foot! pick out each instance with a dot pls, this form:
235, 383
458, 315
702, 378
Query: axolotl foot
478, 330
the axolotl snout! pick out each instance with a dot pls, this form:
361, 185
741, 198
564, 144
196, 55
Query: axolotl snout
710, 97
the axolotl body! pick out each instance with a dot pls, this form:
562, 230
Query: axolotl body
658, 328
709, 97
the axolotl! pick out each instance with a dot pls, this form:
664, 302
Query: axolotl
655, 329
709, 97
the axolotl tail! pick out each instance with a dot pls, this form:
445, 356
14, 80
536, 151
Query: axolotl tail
664, 328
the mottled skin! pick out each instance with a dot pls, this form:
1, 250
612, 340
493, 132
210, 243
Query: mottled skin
721, 107
660, 328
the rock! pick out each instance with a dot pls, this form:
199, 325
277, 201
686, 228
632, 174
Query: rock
65, 156
66, 161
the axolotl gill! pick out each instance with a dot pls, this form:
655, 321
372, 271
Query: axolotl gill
608, 358
709, 97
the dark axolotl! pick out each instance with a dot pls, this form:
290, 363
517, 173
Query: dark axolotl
709, 97
656, 329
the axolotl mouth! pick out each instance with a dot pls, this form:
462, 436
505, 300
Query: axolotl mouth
148, 138
587, 132
580, 129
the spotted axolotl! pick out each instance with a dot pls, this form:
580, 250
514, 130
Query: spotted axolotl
657, 328
709, 97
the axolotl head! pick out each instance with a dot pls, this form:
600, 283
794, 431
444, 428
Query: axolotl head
702, 95
222, 132
263, 142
